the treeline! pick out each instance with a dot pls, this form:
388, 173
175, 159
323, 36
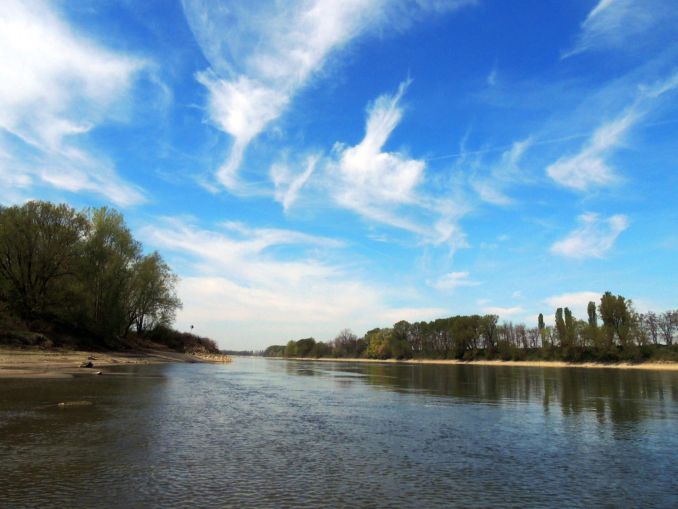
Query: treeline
82, 275
613, 331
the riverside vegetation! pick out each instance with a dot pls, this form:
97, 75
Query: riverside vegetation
79, 279
613, 332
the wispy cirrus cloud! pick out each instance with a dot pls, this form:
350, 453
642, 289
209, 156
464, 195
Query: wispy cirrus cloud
491, 186
590, 167
453, 280
593, 239
384, 186
614, 23
262, 53
239, 285
288, 184
56, 88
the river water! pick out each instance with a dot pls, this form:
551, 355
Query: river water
270, 433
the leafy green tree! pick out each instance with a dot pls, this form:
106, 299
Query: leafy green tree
110, 255
616, 313
305, 347
379, 343
593, 316
488, 330
668, 322
39, 246
152, 298
290, 349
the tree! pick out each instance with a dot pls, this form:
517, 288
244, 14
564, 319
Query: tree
110, 255
152, 298
668, 322
652, 326
541, 327
488, 329
570, 329
39, 246
379, 343
593, 316
290, 349
346, 344
617, 315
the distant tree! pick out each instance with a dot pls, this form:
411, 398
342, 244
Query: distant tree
667, 323
345, 344
593, 316
652, 325
488, 331
379, 343
617, 315
290, 349
305, 347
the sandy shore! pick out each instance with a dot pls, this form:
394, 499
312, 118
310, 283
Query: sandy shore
656, 366
19, 363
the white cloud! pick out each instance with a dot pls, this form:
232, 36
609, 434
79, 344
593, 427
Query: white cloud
661, 87
576, 301
373, 178
382, 186
241, 108
287, 185
55, 87
613, 23
503, 312
492, 77
250, 287
453, 280
593, 239
589, 168
491, 186
262, 53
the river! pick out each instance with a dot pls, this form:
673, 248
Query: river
271, 433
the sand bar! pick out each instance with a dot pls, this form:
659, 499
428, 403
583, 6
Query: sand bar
29, 363
655, 366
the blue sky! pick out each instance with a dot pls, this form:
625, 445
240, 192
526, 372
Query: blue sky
307, 166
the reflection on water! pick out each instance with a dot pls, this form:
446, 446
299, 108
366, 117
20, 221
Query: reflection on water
262, 433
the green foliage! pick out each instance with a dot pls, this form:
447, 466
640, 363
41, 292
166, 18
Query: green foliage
181, 341
378, 343
617, 316
40, 244
482, 337
274, 351
81, 271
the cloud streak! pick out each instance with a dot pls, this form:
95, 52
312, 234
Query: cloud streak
593, 239
453, 280
57, 87
589, 168
613, 23
261, 54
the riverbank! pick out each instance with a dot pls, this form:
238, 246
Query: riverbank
35, 363
654, 366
